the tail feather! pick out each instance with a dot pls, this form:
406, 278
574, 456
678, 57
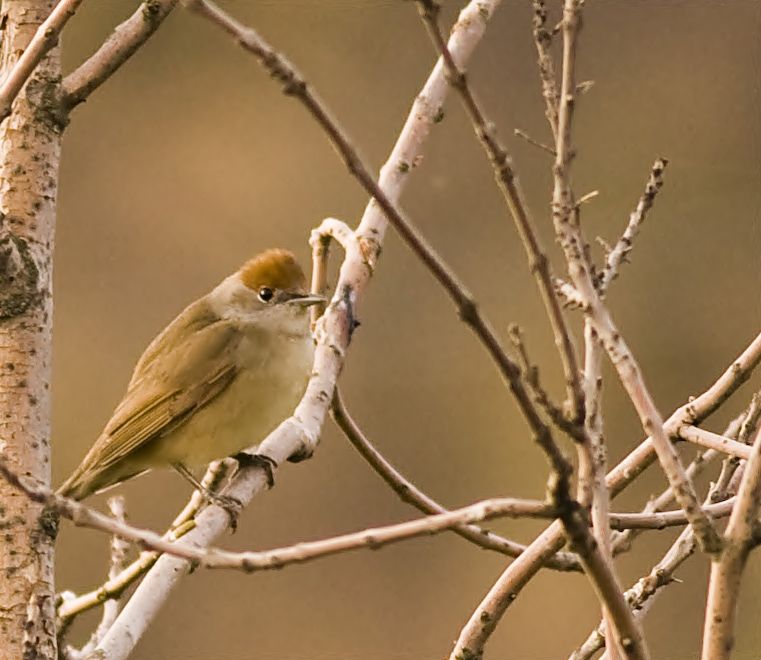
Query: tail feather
76, 486
83, 483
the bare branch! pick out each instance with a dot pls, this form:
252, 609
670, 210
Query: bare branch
536, 143
119, 552
508, 185
503, 593
374, 538
730, 473
122, 44
623, 541
619, 253
539, 394
543, 40
664, 519
715, 441
727, 569
645, 589
580, 270
598, 567
593, 464
71, 606
411, 494
640, 594
43, 40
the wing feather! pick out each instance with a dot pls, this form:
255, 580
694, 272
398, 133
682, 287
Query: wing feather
183, 369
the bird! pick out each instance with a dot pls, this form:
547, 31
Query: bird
219, 378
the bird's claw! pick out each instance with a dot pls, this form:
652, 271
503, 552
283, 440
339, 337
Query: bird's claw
232, 506
269, 465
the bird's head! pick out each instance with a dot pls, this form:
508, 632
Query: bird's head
268, 290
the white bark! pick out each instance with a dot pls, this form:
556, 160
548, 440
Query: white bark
30, 141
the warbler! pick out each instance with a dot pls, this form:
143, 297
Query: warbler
215, 381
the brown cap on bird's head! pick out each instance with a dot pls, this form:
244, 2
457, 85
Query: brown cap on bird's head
276, 269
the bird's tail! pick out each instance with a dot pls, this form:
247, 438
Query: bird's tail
76, 486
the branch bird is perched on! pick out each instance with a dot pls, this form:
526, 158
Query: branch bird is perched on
219, 378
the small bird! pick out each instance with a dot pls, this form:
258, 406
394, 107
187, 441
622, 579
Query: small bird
219, 378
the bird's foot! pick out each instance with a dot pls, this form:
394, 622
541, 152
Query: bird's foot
269, 465
231, 505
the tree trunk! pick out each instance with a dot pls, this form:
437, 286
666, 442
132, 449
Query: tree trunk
30, 143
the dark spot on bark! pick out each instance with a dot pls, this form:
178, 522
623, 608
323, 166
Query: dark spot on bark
48, 523
19, 277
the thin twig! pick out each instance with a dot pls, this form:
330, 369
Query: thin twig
619, 253
727, 569
597, 464
543, 41
72, 605
579, 266
641, 594
373, 538
536, 143
43, 40
503, 593
122, 44
508, 184
715, 441
332, 228
623, 541
745, 435
664, 519
119, 553
411, 494
539, 394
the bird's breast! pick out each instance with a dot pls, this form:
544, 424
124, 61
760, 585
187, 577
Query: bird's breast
270, 382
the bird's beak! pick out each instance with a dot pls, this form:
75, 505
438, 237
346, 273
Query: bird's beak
308, 300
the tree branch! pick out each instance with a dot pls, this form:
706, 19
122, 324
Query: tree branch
43, 40
119, 552
543, 41
618, 255
640, 595
411, 494
503, 593
122, 44
373, 538
71, 605
580, 270
509, 186
715, 441
727, 568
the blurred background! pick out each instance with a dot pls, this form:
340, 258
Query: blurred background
190, 160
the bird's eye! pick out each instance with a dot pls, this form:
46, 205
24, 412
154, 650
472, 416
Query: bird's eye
265, 294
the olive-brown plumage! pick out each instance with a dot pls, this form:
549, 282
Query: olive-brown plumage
217, 380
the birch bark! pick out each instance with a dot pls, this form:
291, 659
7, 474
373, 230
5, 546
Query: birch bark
30, 143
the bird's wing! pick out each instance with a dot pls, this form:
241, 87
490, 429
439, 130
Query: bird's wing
167, 390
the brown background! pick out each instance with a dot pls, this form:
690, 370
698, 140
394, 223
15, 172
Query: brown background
190, 160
